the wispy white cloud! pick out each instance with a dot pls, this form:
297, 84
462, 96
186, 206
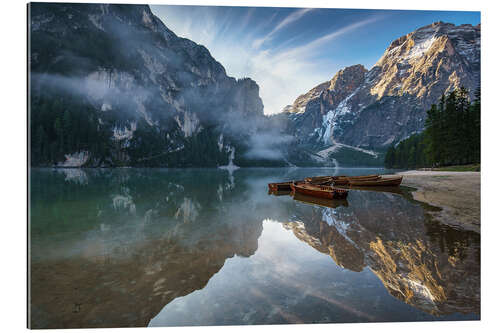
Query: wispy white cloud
320, 41
283, 69
296, 15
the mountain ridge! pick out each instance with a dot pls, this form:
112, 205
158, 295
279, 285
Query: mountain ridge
111, 85
388, 102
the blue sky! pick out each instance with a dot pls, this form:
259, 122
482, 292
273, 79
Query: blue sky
287, 51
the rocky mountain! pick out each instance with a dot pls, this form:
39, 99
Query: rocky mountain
372, 109
111, 85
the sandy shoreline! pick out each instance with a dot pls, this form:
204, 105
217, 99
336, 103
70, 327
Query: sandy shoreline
457, 193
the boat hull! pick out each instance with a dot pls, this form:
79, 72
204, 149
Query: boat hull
284, 186
344, 180
338, 180
321, 180
314, 191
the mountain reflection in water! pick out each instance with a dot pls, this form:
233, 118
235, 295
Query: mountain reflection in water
139, 247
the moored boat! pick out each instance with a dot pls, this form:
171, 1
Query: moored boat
320, 191
382, 181
319, 180
344, 180
278, 192
283, 186
338, 180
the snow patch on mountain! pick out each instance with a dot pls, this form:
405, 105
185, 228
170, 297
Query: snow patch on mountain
328, 124
124, 133
75, 160
330, 119
106, 107
420, 48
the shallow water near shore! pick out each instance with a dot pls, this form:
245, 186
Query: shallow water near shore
174, 247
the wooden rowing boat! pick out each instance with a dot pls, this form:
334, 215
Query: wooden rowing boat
320, 180
283, 186
338, 180
344, 180
382, 181
278, 192
320, 191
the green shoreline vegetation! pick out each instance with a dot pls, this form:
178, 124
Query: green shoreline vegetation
459, 168
451, 140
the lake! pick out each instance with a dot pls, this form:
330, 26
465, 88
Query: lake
175, 247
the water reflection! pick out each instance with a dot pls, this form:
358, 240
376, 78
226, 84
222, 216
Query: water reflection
129, 247
425, 264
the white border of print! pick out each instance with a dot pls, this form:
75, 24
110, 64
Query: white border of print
14, 162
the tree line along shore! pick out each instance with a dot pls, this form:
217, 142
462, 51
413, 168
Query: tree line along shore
451, 138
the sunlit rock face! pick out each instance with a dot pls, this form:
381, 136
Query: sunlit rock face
430, 266
381, 106
154, 95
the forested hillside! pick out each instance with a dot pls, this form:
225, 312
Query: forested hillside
452, 135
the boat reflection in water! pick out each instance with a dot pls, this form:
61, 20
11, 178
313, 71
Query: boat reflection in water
430, 266
132, 247
320, 201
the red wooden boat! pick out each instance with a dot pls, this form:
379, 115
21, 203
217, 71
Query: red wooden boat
320, 180
344, 180
320, 191
278, 192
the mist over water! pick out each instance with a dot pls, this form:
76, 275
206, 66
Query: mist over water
152, 247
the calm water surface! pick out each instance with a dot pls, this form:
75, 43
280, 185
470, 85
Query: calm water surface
163, 247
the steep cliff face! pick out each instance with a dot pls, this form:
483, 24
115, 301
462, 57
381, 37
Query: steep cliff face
373, 109
312, 111
138, 94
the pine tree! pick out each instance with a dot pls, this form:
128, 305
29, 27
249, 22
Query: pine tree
452, 135
37, 147
59, 138
476, 127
